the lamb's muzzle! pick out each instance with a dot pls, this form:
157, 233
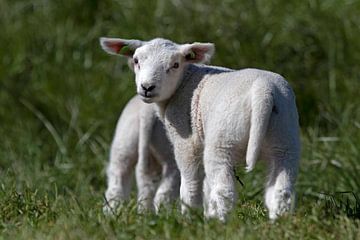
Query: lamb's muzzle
146, 91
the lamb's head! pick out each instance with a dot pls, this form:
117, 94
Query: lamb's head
158, 64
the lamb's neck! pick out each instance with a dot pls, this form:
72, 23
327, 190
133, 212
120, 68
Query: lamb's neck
189, 82
190, 70
160, 109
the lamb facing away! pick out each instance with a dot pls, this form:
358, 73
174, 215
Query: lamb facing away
140, 138
215, 117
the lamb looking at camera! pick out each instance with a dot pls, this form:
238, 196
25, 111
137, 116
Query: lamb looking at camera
216, 117
140, 140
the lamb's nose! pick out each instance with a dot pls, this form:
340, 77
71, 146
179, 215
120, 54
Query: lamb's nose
147, 89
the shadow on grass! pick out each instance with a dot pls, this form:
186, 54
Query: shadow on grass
342, 203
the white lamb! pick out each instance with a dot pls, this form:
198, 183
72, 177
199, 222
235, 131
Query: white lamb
140, 140
215, 117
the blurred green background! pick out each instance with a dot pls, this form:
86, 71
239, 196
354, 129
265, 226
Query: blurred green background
60, 97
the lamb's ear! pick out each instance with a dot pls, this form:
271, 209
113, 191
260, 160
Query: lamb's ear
119, 46
198, 52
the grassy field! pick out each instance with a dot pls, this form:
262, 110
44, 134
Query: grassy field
60, 97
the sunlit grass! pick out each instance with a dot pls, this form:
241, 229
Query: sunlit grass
60, 97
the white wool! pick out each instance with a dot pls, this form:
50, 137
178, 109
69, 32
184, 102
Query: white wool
140, 140
216, 117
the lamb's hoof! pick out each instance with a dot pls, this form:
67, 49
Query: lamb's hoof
161, 201
144, 207
214, 213
282, 205
110, 208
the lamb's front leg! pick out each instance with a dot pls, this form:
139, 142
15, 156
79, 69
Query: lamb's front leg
148, 175
191, 172
219, 188
119, 173
147, 170
168, 189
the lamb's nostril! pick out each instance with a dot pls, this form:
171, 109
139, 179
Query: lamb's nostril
151, 88
147, 89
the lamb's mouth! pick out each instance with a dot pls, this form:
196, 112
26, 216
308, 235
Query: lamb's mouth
148, 97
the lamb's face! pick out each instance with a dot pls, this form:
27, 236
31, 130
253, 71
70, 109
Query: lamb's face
158, 70
158, 64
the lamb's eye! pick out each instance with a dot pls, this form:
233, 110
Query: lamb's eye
176, 65
136, 61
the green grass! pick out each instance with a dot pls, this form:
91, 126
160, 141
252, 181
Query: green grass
60, 97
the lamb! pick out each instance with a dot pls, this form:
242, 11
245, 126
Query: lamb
140, 138
215, 117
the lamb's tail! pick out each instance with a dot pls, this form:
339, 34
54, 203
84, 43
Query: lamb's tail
261, 108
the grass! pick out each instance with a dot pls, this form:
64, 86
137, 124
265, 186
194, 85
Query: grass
60, 97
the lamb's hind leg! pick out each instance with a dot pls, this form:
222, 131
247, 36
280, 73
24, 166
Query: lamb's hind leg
279, 195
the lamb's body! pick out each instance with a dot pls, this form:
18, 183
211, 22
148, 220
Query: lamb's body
224, 107
140, 140
215, 117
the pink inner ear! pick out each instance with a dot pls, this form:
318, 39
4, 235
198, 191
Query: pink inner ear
115, 46
199, 53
